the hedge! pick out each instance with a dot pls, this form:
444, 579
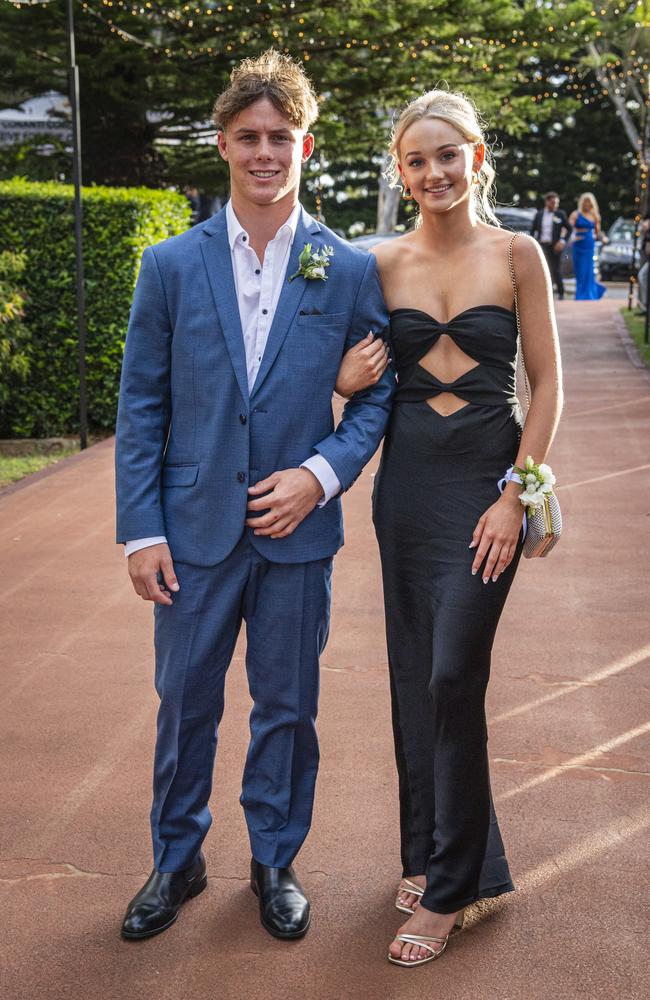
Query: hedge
118, 223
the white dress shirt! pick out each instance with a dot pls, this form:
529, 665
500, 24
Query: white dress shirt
546, 229
258, 288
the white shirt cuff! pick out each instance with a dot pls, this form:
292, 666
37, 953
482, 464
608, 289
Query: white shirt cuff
142, 543
325, 475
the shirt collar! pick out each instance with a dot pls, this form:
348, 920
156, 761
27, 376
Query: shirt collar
236, 230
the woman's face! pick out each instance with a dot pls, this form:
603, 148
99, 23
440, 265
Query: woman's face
436, 162
587, 205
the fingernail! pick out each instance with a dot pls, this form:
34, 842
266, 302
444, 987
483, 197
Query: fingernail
175, 586
495, 578
486, 579
474, 572
472, 545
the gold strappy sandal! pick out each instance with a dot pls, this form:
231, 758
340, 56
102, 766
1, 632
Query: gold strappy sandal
424, 942
409, 887
421, 942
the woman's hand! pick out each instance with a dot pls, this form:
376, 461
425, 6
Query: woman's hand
496, 534
362, 366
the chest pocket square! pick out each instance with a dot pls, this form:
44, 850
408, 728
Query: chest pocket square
321, 319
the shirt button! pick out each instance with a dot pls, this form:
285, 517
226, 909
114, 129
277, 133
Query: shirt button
244, 238
242, 418
257, 270
264, 312
241, 477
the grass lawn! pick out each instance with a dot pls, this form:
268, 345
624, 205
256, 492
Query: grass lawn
13, 468
635, 325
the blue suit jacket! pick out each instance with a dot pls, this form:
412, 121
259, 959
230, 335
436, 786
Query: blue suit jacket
190, 440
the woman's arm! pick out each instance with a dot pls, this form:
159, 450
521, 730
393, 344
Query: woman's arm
495, 535
362, 366
541, 350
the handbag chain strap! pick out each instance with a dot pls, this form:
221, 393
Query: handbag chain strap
511, 265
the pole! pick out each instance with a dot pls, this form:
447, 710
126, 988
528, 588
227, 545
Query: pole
643, 207
73, 73
638, 208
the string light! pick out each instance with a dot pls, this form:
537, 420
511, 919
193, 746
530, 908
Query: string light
193, 20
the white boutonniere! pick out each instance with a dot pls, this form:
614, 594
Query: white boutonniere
311, 266
556, 218
537, 481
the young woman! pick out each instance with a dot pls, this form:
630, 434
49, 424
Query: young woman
449, 540
586, 230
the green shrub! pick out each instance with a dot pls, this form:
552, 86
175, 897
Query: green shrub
14, 335
37, 220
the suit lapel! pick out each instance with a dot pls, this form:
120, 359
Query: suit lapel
290, 296
218, 263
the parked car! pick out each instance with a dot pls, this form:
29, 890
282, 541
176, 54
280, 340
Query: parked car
519, 220
617, 257
372, 239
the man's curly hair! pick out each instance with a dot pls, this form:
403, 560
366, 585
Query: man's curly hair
278, 78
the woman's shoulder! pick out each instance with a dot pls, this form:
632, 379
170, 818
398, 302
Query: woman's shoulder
527, 254
391, 250
498, 240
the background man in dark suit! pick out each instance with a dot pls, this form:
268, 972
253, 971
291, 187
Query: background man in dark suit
551, 229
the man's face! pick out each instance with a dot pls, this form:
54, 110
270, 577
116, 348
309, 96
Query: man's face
265, 152
552, 204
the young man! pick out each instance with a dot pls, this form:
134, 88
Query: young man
229, 469
552, 229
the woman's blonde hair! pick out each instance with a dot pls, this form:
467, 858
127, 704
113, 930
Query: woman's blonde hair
461, 112
592, 198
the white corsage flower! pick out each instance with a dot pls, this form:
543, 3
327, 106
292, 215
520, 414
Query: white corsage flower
531, 499
537, 481
546, 473
311, 266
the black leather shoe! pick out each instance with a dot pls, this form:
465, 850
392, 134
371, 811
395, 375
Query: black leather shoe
157, 905
284, 908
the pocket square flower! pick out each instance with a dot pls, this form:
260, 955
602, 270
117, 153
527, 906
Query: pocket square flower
311, 266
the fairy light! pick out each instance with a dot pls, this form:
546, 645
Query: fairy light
233, 22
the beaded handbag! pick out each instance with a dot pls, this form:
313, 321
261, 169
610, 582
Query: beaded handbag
544, 524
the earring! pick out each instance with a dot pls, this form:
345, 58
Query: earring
406, 194
475, 179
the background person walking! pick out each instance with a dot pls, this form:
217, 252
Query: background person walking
552, 229
586, 222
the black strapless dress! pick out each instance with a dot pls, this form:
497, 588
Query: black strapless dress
437, 476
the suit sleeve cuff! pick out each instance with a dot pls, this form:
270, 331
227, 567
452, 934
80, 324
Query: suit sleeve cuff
325, 475
142, 543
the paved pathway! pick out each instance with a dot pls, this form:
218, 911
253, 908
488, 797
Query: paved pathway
570, 749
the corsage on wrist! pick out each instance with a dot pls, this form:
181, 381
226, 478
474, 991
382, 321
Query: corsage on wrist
537, 482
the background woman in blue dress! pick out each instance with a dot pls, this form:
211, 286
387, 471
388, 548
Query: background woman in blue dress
586, 230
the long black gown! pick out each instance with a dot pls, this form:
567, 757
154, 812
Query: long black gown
437, 476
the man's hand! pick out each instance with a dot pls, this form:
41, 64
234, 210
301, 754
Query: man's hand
559, 246
293, 494
144, 567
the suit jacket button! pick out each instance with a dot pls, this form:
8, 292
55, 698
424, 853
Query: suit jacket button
241, 476
242, 418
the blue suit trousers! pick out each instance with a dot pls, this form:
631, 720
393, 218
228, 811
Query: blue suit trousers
286, 608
